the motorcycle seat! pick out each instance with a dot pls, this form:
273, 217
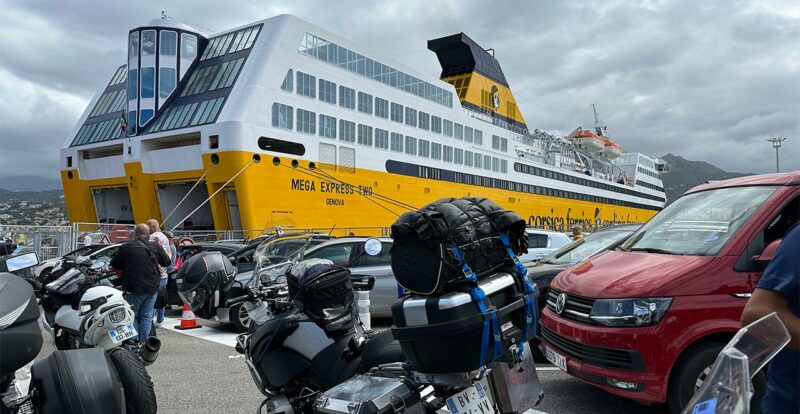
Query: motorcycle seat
381, 348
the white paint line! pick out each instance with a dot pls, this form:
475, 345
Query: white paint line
205, 332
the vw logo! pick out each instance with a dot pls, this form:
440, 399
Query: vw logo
560, 302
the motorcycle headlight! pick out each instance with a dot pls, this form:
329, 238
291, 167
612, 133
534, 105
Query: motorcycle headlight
630, 312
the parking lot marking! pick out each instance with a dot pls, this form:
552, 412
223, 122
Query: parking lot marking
207, 333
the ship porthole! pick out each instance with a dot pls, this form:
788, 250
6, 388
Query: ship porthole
295, 164
214, 159
312, 166
256, 158
276, 161
69, 174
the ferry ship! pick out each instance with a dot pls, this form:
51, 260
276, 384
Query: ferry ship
283, 123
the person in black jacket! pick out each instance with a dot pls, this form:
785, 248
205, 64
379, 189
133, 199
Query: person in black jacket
139, 260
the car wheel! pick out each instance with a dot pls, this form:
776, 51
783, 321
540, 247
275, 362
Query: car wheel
240, 318
692, 370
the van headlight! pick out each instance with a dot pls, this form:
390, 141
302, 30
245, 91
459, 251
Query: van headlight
630, 312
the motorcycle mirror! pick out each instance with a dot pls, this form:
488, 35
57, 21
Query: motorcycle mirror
373, 246
82, 260
362, 283
20, 262
98, 265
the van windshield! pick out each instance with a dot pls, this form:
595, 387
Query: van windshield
699, 224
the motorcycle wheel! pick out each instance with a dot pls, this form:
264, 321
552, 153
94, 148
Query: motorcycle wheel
240, 318
140, 397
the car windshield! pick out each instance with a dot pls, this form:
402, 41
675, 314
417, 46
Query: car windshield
584, 248
699, 224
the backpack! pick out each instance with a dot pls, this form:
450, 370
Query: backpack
438, 247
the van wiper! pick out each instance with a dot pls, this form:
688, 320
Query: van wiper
651, 250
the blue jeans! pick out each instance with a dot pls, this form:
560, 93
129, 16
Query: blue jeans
142, 304
160, 311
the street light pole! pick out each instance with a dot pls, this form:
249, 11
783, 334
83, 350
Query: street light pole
776, 143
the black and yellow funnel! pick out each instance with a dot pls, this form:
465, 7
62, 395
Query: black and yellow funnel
477, 77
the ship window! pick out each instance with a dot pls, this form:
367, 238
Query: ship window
188, 46
288, 80
306, 85
495, 164
495, 142
282, 116
327, 91
327, 126
347, 131
468, 136
458, 131
436, 124
478, 160
381, 107
230, 74
347, 160
148, 42
411, 117
504, 144
279, 145
448, 153
424, 120
365, 103
347, 97
411, 145
458, 156
436, 150
133, 46
381, 138
306, 121
133, 84
397, 112
168, 45
503, 166
166, 81
478, 137
424, 148
364, 135
327, 156
468, 158
148, 82
131, 122
397, 142
145, 115
447, 127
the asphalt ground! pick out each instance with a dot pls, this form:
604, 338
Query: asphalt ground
198, 371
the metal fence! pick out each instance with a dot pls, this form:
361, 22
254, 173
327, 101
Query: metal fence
54, 241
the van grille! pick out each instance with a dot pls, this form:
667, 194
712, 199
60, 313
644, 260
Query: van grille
623, 359
576, 308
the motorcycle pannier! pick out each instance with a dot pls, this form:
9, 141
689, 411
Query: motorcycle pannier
81, 381
432, 245
445, 334
367, 394
20, 334
324, 292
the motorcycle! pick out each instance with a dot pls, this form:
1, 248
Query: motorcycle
78, 381
728, 389
80, 315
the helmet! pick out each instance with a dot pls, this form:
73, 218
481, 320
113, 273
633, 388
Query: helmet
202, 279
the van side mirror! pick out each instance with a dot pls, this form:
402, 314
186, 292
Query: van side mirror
768, 254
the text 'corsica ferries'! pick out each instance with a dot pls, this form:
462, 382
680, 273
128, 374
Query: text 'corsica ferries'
282, 123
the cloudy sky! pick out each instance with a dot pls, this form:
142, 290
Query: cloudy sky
705, 80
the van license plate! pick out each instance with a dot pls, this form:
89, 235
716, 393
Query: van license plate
122, 333
472, 400
555, 359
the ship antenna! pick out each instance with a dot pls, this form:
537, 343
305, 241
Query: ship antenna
599, 128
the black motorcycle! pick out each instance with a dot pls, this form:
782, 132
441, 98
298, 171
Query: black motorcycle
78, 381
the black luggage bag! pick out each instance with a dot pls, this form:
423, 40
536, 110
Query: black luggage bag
432, 245
324, 292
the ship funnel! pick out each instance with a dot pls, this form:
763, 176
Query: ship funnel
477, 77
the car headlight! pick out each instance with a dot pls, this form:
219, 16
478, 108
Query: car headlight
630, 312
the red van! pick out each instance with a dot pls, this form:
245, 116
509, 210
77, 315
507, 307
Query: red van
647, 320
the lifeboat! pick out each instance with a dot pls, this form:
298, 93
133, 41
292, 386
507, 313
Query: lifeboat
588, 140
611, 149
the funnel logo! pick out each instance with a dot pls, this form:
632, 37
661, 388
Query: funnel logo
495, 98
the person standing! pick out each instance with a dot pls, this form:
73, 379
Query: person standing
173, 255
159, 238
139, 260
576, 232
779, 291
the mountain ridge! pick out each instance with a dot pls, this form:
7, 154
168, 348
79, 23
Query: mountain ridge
684, 174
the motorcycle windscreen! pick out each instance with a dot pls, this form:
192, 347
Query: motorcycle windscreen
68, 284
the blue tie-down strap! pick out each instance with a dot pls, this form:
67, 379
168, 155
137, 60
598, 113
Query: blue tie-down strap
498, 336
521, 269
478, 296
468, 273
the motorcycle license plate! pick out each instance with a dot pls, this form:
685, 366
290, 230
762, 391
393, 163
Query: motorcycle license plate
555, 358
472, 400
122, 333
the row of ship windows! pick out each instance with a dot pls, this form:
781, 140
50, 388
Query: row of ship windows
98, 132
555, 175
650, 186
231, 42
307, 85
190, 114
119, 76
348, 131
221, 75
648, 172
471, 179
334, 54
112, 101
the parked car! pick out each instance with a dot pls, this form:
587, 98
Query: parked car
647, 320
42, 270
543, 242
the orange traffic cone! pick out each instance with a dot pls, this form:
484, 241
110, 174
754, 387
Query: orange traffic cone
188, 320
